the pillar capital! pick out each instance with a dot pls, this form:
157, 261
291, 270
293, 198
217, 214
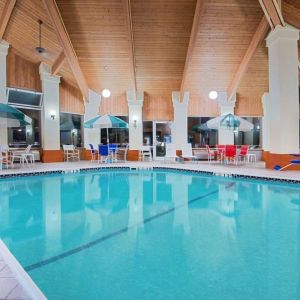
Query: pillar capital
136, 99
45, 74
177, 101
282, 33
225, 106
4, 47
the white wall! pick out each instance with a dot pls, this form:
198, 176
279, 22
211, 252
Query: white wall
180, 126
50, 131
283, 98
135, 106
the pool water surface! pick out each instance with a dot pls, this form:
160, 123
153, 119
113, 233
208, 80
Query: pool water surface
159, 234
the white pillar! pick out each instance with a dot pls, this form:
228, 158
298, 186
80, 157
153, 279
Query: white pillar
266, 122
50, 126
226, 136
282, 45
135, 110
92, 135
180, 126
3, 99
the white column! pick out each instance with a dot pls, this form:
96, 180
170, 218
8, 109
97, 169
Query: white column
92, 135
282, 45
180, 126
226, 136
3, 99
135, 110
266, 122
50, 126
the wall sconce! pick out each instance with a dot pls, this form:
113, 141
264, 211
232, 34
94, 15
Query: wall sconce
135, 122
53, 114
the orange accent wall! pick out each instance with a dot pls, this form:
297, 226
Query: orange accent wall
133, 155
49, 156
282, 160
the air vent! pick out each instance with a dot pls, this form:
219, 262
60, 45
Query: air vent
24, 98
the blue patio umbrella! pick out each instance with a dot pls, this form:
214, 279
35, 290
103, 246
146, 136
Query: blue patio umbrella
105, 121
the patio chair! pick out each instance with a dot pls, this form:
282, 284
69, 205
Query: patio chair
5, 157
145, 153
170, 153
230, 154
243, 154
210, 153
104, 154
112, 149
121, 153
23, 156
220, 149
70, 153
93, 152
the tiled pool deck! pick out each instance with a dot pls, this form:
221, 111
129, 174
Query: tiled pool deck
10, 288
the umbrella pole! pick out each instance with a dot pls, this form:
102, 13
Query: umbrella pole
107, 136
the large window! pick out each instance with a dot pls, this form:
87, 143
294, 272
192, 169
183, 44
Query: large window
251, 138
148, 133
116, 135
20, 137
199, 136
71, 129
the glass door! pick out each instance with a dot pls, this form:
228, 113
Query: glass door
161, 137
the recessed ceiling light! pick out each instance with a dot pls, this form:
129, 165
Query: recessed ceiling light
106, 93
213, 95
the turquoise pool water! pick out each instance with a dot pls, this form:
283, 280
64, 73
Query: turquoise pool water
154, 235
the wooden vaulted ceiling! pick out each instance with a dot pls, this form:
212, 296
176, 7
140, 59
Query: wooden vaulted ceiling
127, 44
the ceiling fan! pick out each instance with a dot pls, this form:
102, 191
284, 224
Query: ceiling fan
40, 49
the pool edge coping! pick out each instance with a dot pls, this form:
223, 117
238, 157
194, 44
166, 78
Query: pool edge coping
129, 167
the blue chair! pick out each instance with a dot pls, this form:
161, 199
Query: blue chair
104, 154
93, 152
113, 148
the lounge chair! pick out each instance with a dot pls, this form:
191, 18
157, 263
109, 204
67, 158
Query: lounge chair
23, 156
187, 152
145, 153
293, 162
170, 153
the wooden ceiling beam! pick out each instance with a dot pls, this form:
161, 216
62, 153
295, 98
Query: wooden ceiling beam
291, 14
192, 42
128, 17
6, 13
257, 38
272, 11
58, 63
67, 46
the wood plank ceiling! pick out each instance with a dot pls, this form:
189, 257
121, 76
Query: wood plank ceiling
161, 30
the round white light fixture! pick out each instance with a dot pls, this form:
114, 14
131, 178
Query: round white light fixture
213, 95
106, 93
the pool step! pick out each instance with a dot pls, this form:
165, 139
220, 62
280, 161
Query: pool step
222, 174
70, 171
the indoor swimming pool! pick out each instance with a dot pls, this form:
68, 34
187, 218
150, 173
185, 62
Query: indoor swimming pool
157, 234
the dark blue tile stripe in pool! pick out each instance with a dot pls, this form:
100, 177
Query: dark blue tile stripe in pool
116, 233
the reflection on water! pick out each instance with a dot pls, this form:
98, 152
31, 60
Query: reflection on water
212, 222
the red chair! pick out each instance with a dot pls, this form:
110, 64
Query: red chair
220, 152
230, 153
243, 152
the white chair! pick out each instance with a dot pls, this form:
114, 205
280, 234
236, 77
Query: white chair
70, 152
145, 153
4, 156
23, 156
187, 151
170, 153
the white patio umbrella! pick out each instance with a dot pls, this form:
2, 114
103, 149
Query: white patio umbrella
106, 121
229, 122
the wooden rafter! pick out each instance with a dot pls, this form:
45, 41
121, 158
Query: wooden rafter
257, 38
58, 63
127, 10
272, 12
6, 13
192, 42
67, 46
